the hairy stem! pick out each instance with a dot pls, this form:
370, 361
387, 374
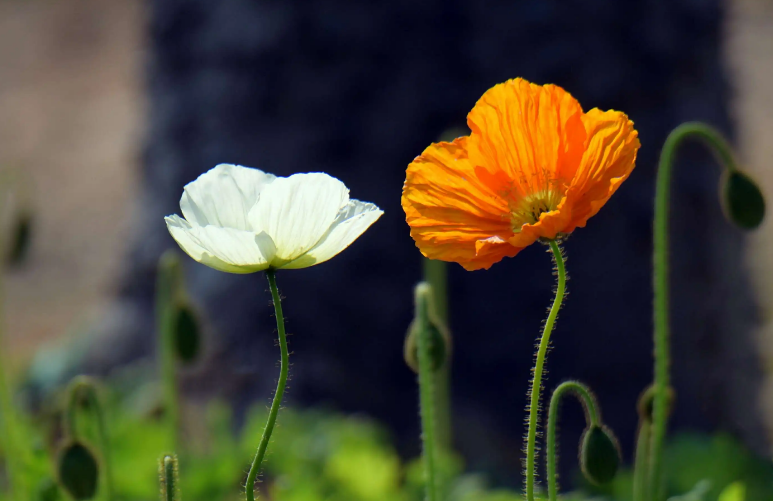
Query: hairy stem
536, 382
280, 387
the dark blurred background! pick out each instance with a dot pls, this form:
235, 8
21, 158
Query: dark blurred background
114, 106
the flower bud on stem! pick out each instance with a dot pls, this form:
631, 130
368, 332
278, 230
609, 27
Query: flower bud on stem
82, 395
744, 205
592, 418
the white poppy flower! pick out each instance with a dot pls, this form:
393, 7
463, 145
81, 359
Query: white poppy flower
242, 220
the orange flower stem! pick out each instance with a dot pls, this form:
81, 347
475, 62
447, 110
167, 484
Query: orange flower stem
536, 382
588, 401
280, 387
720, 147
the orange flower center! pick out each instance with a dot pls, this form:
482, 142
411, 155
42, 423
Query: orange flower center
528, 209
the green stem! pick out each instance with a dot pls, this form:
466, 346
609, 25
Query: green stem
280, 387
591, 419
169, 480
167, 289
426, 389
436, 274
720, 147
536, 381
641, 470
15, 456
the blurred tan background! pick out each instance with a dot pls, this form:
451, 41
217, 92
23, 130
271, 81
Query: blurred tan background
71, 110
749, 59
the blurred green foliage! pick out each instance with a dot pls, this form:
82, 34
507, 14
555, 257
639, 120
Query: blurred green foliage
319, 455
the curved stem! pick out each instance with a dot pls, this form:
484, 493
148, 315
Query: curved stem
720, 147
591, 419
426, 389
280, 387
536, 381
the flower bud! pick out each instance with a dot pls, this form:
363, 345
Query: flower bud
742, 200
168, 476
78, 471
599, 454
187, 334
438, 342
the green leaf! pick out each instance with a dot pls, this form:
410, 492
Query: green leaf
733, 492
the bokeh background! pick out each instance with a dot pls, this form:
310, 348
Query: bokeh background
111, 107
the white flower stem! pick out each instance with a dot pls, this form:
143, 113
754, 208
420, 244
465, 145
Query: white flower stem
280, 387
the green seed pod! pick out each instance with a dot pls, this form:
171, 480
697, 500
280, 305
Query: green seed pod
742, 200
645, 403
187, 334
438, 352
168, 476
599, 455
78, 471
19, 238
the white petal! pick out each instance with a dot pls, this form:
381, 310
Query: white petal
224, 249
297, 211
352, 221
223, 196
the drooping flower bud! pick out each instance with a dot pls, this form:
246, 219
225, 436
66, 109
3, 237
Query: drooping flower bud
78, 471
168, 477
599, 454
187, 334
742, 200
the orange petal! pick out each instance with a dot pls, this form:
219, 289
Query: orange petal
608, 161
531, 132
449, 209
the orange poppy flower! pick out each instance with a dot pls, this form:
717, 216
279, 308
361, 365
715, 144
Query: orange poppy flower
534, 167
